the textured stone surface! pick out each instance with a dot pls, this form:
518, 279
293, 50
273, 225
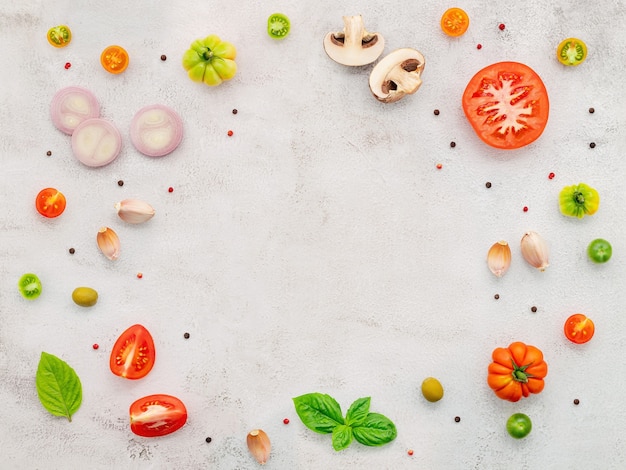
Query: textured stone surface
318, 248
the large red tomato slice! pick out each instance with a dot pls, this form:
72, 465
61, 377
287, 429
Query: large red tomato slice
157, 415
507, 105
133, 354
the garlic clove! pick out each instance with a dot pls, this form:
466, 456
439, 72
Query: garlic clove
535, 250
259, 445
108, 242
499, 258
134, 211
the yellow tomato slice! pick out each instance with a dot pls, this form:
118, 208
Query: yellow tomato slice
454, 22
114, 59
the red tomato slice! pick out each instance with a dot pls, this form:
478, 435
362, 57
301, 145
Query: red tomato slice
578, 328
507, 105
157, 415
50, 202
133, 353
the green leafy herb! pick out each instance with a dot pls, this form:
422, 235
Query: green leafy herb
322, 414
58, 386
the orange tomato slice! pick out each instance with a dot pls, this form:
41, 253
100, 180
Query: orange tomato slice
454, 22
114, 59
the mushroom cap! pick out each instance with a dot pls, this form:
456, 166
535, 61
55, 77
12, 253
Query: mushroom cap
397, 75
354, 46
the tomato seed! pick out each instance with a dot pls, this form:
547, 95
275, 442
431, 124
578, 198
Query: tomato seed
439, 166
436, 112
163, 57
208, 439
497, 296
591, 110
410, 452
457, 419
230, 133
576, 401
170, 190
525, 209
533, 309
551, 175
96, 346
48, 153
286, 421
592, 145
452, 144
186, 335
488, 184
501, 26
235, 111
479, 46
120, 183
72, 251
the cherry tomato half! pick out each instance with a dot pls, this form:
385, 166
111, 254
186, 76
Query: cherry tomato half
578, 328
454, 22
59, 36
50, 203
599, 250
157, 415
519, 425
133, 354
507, 105
571, 51
114, 59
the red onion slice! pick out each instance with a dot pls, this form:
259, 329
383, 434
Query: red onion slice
96, 142
72, 105
156, 130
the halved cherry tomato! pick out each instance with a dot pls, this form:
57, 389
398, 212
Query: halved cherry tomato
157, 415
59, 36
133, 354
507, 105
50, 203
571, 51
578, 328
454, 22
114, 59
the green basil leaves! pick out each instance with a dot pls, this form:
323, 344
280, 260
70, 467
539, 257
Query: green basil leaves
321, 413
58, 386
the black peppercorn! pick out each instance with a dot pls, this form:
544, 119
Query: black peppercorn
72, 251
457, 419
488, 184
436, 112
453, 144
497, 296
120, 183
163, 57
208, 439
592, 145
48, 153
186, 335
533, 309
234, 111
576, 401
591, 110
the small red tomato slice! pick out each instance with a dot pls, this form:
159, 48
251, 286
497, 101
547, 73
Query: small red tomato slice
133, 354
507, 105
157, 415
50, 202
578, 328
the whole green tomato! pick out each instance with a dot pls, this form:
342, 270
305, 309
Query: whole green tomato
579, 200
210, 60
519, 425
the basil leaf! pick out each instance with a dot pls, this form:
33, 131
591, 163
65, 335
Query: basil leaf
342, 437
58, 386
358, 411
376, 430
319, 412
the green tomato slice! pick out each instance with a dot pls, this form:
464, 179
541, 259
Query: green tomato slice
278, 26
29, 286
519, 425
599, 250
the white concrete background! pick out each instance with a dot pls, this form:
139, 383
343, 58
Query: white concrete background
318, 249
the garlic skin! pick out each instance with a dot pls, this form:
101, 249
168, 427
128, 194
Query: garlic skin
259, 445
499, 258
108, 242
535, 250
134, 211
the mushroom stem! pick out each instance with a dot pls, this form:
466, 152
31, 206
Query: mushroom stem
354, 31
407, 82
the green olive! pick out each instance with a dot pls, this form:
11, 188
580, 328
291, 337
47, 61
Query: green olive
432, 389
85, 296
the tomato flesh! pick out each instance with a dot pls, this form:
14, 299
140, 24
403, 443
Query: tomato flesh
59, 36
578, 328
454, 22
133, 354
50, 202
507, 105
157, 415
571, 51
114, 59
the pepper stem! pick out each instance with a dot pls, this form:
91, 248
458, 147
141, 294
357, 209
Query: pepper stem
208, 54
579, 198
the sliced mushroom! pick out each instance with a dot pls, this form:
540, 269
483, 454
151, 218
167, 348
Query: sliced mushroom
397, 74
354, 46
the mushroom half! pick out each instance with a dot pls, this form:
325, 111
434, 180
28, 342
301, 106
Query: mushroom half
397, 74
354, 45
